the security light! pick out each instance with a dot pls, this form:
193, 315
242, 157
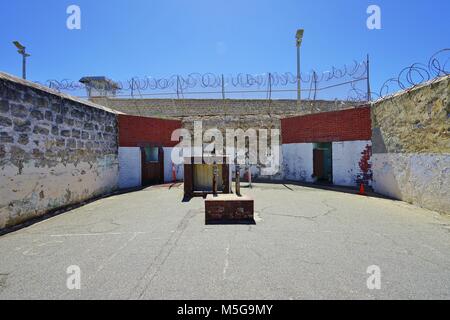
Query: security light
24, 56
19, 46
299, 37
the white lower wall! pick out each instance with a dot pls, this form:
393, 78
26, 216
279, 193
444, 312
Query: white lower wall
179, 168
346, 158
420, 179
130, 167
130, 172
35, 189
298, 161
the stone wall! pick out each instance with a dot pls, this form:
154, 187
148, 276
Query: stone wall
55, 150
411, 145
226, 113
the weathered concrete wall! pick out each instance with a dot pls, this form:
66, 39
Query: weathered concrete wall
130, 167
298, 161
421, 179
179, 168
55, 150
350, 160
352, 163
411, 145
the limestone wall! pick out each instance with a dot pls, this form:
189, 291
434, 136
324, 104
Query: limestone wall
217, 113
411, 145
55, 150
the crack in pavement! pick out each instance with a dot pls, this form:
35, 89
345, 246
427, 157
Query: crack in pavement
310, 218
155, 266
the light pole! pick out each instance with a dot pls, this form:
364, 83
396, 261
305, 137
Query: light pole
299, 37
21, 50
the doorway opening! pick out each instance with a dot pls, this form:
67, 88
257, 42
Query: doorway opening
323, 162
152, 165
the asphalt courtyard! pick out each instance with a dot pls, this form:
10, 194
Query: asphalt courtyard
306, 244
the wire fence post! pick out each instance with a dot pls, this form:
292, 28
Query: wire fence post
178, 87
223, 88
132, 87
269, 87
369, 96
313, 88
315, 85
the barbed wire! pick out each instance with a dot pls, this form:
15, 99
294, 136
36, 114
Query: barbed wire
417, 74
313, 81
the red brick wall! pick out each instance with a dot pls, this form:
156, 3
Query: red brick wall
345, 125
135, 131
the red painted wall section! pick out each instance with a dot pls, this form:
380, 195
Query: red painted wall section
345, 125
136, 131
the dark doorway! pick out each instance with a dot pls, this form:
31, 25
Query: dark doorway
322, 162
152, 165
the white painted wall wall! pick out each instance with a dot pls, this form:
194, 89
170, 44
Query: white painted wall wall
179, 168
298, 161
36, 188
130, 167
346, 158
422, 179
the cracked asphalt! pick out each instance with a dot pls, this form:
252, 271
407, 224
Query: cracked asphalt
306, 244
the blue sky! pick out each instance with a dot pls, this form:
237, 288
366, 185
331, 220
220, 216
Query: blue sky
126, 38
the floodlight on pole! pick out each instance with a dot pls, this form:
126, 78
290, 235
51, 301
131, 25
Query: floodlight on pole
299, 38
21, 51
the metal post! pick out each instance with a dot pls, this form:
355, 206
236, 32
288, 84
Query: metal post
22, 51
299, 38
369, 95
223, 88
270, 86
215, 174
299, 95
315, 84
238, 180
178, 84
24, 65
